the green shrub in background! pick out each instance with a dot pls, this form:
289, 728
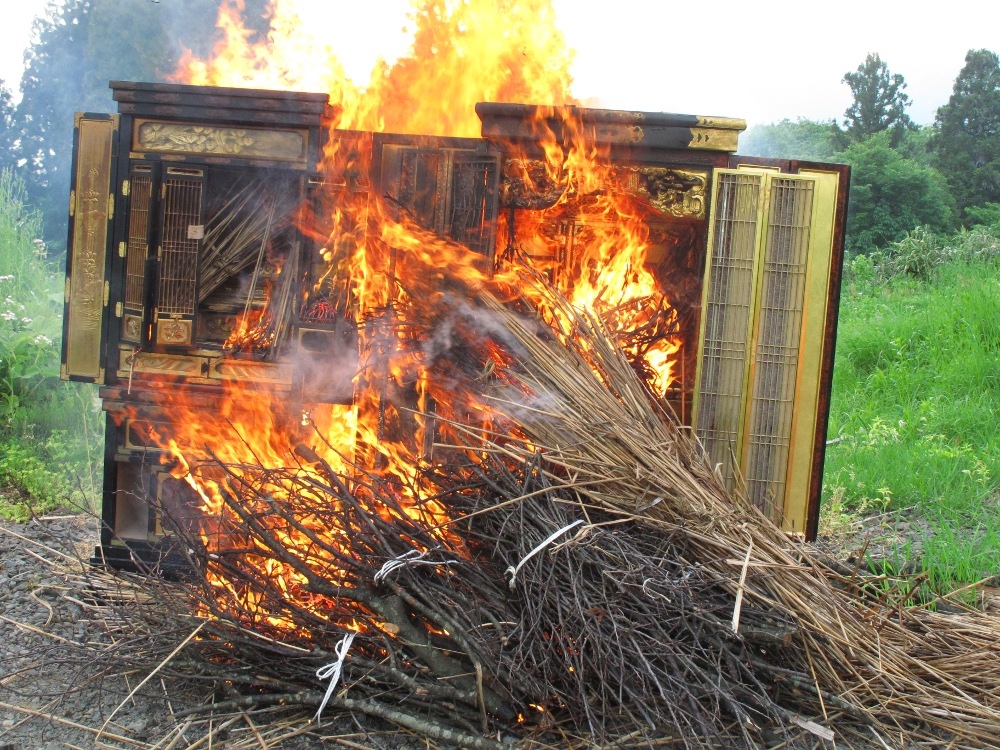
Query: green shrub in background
48, 429
986, 216
921, 252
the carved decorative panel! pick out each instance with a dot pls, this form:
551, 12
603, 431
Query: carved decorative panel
173, 332
187, 138
672, 192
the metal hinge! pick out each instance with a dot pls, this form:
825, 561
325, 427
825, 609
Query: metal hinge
122, 249
111, 207
107, 292
118, 309
126, 187
72, 203
66, 290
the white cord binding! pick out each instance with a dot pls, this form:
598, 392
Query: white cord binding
552, 537
332, 670
407, 558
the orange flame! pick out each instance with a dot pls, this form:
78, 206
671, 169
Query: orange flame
461, 53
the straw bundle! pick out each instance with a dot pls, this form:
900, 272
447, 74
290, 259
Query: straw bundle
912, 675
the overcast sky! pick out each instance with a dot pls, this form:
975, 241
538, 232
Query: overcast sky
762, 61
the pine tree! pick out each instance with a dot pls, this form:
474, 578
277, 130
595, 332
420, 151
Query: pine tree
967, 141
879, 104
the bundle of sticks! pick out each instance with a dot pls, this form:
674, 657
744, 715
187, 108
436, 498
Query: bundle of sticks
593, 584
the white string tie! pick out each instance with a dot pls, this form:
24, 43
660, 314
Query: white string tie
407, 558
551, 538
332, 671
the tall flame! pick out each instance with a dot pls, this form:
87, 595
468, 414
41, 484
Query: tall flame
462, 52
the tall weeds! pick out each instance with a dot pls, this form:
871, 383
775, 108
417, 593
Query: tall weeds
915, 414
49, 430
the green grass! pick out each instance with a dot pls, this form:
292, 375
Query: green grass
49, 430
916, 401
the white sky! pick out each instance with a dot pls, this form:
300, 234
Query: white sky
762, 61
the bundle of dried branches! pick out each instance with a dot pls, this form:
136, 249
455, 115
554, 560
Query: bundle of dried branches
591, 626
907, 672
249, 215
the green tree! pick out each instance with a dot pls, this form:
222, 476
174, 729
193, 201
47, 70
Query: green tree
967, 142
891, 195
879, 104
79, 46
7, 136
917, 145
799, 139
52, 83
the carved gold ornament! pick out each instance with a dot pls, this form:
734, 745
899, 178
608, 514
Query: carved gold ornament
675, 192
173, 332
187, 138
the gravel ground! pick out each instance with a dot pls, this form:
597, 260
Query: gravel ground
58, 688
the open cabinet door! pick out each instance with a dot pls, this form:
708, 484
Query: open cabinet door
91, 213
760, 380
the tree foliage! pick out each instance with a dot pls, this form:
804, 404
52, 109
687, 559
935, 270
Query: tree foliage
891, 195
967, 142
879, 103
7, 132
78, 47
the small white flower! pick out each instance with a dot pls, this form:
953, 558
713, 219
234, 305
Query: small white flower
8, 315
42, 339
25, 320
9, 277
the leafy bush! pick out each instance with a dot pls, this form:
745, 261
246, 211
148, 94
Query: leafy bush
986, 216
890, 195
920, 253
917, 254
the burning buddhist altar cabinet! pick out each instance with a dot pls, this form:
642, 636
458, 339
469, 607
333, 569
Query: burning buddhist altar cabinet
228, 246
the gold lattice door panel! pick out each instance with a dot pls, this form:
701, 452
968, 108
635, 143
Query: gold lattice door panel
136, 251
181, 234
762, 332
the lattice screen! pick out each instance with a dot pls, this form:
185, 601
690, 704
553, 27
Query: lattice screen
138, 234
179, 257
726, 312
776, 351
757, 286
473, 191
